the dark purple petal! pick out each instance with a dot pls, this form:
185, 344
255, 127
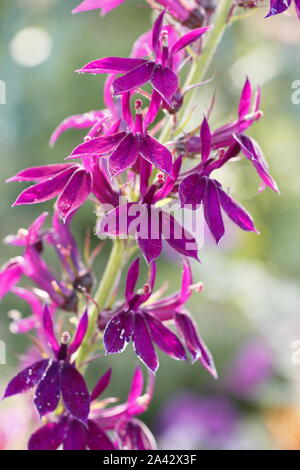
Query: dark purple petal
192, 190
47, 393
111, 64
278, 6
98, 146
134, 79
74, 438
212, 211
156, 153
45, 190
253, 153
205, 137
48, 437
245, 100
236, 212
75, 193
49, 330
40, 173
123, 156
150, 247
118, 333
74, 392
143, 343
189, 38
197, 348
80, 333
131, 279
26, 379
96, 439
101, 385
178, 237
134, 435
165, 82
165, 339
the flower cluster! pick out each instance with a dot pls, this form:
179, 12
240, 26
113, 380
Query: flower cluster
132, 166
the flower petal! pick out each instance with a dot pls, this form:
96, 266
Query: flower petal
236, 212
111, 65
212, 211
96, 439
150, 247
165, 82
278, 6
123, 156
47, 393
75, 193
156, 153
142, 343
80, 333
178, 237
49, 330
191, 191
165, 339
78, 121
132, 278
40, 173
101, 385
74, 392
205, 137
98, 146
118, 333
26, 379
245, 100
74, 438
189, 38
134, 79
48, 437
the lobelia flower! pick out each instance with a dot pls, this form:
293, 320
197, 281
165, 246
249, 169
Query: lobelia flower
138, 72
58, 377
191, 14
280, 6
72, 434
125, 148
132, 322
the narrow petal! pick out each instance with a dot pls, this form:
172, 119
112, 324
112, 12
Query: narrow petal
189, 38
245, 100
45, 190
132, 278
78, 121
111, 65
156, 153
156, 32
98, 146
178, 237
137, 385
236, 212
74, 392
10, 276
101, 385
197, 348
48, 437
165, 82
47, 393
40, 173
96, 439
143, 343
278, 6
26, 379
124, 155
49, 330
74, 438
205, 137
150, 247
80, 333
75, 193
118, 333
134, 79
134, 435
253, 153
165, 339
212, 211
192, 190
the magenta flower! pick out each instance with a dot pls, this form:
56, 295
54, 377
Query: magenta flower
56, 378
132, 322
125, 148
138, 72
280, 6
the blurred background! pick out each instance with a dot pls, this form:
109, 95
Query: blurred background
249, 311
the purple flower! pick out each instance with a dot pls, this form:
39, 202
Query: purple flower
138, 72
133, 322
280, 6
125, 148
130, 433
187, 13
56, 378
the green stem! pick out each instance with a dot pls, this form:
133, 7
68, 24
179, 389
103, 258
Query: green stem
103, 293
201, 64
